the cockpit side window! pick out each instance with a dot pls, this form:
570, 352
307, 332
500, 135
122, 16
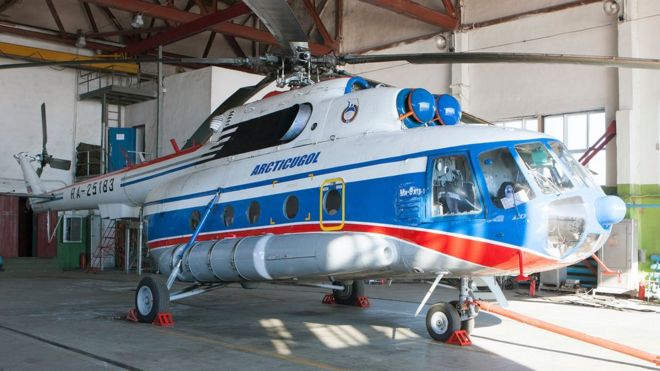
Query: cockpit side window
454, 191
548, 173
507, 186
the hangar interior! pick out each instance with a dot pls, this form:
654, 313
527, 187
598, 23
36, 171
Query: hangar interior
108, 118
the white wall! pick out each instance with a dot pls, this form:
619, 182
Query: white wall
69, 121
188, 100
638, 121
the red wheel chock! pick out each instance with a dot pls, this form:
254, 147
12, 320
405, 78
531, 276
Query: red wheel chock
163, 320
132, 315
328, 299
459, 337
362, 302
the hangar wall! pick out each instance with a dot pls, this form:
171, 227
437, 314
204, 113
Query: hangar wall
69, 121
188, 99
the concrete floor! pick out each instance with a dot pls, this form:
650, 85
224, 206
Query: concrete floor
56, 320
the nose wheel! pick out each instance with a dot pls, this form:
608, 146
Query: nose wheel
442, 320
151, 298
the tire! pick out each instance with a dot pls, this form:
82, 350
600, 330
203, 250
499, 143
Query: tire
151, 298
468, 324
442, 320
349, 295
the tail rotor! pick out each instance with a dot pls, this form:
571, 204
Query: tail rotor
45, 158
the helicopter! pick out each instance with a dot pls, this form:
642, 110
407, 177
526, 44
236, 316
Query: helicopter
341, 179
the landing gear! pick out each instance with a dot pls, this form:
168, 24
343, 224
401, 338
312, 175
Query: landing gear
350, 294
442, 320
151, 298
468, 324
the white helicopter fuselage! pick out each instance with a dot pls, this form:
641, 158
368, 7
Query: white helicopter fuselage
344, 190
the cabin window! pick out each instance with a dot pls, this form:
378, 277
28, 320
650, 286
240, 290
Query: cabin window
253, 212
194, 219
72, 229
454, 192
332, 202
291, 207
548, 174
228, 215
265, 131
507, 186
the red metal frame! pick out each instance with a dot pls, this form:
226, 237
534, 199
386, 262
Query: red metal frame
610, 133
419, 12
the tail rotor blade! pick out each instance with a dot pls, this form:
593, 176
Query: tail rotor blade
58, 163
44, 130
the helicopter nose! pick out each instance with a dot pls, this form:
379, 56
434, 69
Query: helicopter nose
610, 210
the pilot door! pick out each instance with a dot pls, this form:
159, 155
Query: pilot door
332, 211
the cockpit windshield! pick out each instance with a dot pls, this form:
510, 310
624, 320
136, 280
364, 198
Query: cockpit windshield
581, 174
548, 174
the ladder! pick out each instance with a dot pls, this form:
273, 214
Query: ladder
106, 247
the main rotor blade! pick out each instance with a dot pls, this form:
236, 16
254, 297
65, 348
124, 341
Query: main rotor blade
279, 19
58, 163
235, 62
240, 96
440, 58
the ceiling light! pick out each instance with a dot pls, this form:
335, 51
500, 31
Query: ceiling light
441, 42
80, 41
138, 22
611, 7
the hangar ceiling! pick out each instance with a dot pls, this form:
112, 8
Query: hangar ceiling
228, 28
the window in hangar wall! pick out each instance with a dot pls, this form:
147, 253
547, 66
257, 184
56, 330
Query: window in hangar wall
578, 131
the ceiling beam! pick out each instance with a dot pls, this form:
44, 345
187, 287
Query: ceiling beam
6, 4
132, 31
90, 17
176, 15
327, 40
56, 17
416, 11
112, 18
449, 7
209, 44
187, 29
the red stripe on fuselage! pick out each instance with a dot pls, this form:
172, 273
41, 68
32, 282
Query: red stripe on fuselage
487, 254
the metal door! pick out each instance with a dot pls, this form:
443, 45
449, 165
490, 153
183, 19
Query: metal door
121, 143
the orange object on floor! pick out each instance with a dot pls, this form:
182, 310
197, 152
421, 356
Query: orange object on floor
164, 320
488, 307
532, 287
460, 337
363, 302
328, 299
132, 315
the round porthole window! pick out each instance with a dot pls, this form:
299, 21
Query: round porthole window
332, 202
291, 207
194, 219
253, 212
228, 215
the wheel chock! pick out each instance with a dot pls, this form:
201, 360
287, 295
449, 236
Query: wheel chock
328, 299
362, 302
163, 320
459, 337
132, 315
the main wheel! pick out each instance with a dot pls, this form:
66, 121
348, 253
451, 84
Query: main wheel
349, 295
151, 298
442, 320
468, 324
